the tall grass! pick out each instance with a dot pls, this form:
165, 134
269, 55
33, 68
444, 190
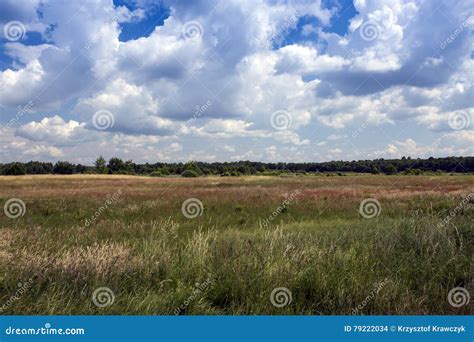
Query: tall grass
152, 258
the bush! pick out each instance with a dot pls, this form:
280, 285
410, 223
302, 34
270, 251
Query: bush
155, 174
413, 172
374, 170
390, 170
164, 171
192, 166
189, 174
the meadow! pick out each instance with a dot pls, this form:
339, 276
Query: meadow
304, 245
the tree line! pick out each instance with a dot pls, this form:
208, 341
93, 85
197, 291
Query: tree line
405, 165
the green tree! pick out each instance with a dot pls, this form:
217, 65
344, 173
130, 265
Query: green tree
100, 166
63, 168
115, 165
192, 166
128, 168
374, 170
390, 170
14, 169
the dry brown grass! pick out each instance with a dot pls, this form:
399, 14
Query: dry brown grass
97, 186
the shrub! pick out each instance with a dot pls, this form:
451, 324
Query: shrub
192, 166
374, 170
164, 171
189, 174
390, 170
156, 174
413, 172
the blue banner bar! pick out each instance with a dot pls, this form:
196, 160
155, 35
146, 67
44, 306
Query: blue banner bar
237, 328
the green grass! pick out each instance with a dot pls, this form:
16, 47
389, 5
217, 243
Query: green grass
320, 248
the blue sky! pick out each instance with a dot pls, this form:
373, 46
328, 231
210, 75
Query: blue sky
155, 14
236, 80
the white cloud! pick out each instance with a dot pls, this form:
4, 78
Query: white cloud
134, 109
19, 86
20, 149
25, 53
53, 129
289, 137
245, 64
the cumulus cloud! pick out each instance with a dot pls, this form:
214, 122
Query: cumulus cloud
54, 129
215, 73
133, 108
19, 149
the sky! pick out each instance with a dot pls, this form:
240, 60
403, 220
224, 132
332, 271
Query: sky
289, 81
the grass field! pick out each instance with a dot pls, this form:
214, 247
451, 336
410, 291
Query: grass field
91, 244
